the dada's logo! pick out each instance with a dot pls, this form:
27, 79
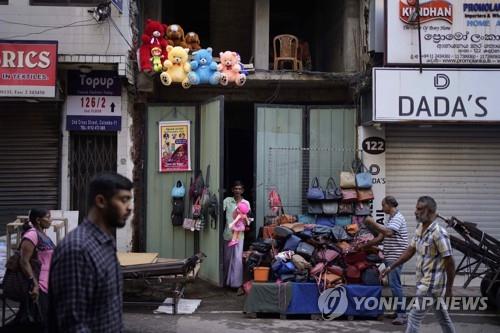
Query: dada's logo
333, 302
429, 11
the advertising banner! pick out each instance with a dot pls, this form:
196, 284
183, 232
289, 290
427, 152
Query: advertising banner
174, 148
438, 95
94, 101
28, 68
453, 32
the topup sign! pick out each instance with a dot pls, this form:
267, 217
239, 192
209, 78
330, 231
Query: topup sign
28, 68
453, 32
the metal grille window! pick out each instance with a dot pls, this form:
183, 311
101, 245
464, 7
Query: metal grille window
90, 154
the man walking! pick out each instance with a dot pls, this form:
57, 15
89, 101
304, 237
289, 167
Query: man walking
435, 270
395, 240
85, 279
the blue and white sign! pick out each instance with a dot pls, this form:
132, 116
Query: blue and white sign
94, 101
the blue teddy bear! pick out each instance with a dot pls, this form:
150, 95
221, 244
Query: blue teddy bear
203, 68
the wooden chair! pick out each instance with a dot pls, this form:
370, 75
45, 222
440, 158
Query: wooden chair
286, 50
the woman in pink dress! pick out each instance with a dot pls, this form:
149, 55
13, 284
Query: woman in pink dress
34, 240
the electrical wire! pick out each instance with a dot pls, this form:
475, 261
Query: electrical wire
70, 25
109, 38
119, 31
39, 26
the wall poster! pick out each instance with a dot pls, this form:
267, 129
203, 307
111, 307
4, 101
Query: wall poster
174, 147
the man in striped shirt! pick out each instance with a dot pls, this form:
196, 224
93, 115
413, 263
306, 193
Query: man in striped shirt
435, 269
395, 239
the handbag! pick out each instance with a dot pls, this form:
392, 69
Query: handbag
196, 187
178, 191
363, 176
300, 262
349, 195
361, 209
16, 285
347, 179
326, 255
291, 243
328, 221
305, 250
346, 208
315, 192
332, 192
330, 207
315, 207
364, 194
343, 220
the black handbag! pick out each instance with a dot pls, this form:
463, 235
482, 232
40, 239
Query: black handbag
332, 191
262, 247
305, 250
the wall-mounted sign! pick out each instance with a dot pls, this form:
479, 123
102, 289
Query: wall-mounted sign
174, 146
28, 68
439, 95
453, 32
94, 101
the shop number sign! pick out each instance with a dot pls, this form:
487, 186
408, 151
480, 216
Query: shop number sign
94, 101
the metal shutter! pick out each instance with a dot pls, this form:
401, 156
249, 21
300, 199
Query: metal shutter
29, 158
459, 166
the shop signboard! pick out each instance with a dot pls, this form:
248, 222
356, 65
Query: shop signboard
94, 101
453, 32
436, 95
174, 146
28, 68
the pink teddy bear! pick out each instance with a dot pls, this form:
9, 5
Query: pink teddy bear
230, 69
240, 222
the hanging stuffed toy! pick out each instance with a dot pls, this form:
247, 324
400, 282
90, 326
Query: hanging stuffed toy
175, 36
176, 67
239, 223
157, 59
193, 41
203, 68
154, 36
230, 69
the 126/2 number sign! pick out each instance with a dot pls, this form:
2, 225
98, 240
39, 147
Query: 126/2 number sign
93, 102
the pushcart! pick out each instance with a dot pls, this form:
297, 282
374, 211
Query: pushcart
481, 257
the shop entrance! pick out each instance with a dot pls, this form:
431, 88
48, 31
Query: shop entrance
239, 133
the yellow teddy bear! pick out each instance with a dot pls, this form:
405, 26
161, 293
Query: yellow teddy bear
176, 67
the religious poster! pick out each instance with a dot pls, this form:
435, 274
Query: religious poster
174, 152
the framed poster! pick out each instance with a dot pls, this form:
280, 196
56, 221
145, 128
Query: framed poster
174, 146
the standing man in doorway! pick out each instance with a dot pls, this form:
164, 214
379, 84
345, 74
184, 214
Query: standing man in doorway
435, 271
233, 255
85, 279
394, 236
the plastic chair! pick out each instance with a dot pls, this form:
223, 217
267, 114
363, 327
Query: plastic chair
286, 50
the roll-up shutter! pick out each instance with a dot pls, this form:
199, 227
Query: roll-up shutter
459, 166
29, 158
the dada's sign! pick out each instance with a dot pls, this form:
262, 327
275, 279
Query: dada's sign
453, 32
28, 68
404, 94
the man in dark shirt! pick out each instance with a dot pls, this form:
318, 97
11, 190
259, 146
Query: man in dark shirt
85, 285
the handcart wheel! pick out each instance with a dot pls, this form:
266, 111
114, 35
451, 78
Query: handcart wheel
494, 291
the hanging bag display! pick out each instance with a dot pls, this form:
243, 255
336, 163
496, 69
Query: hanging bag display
315, 207
315, 192
332, 191
361, 209
345, 208
196, 209
349, 195
330, 207
196, 187
177, 215
363, 175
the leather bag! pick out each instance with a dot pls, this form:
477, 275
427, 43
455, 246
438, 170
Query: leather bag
364, 194
330, 207
332, 191
346, 208
347, 180
300, 262
328, 221
363, 176
349, 195
282, 232
315, 207
291, 243
305, 250
361, 209
315, 192
326, 255
343, 220
178, 191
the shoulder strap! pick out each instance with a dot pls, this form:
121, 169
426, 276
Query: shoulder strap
207, 177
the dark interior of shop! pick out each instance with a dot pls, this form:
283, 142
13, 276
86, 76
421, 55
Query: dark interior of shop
233, 28
239, 153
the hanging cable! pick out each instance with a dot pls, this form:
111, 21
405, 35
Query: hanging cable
70, 25
119, 31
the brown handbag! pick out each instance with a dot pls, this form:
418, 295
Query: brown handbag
268, 231
347, 179
365, 194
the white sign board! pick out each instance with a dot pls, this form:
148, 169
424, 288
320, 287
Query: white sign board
94, 105
453, 32
443, 95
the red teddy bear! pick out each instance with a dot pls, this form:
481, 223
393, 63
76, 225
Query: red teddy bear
154, 36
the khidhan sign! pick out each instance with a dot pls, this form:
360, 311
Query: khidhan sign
28, 68
436, 95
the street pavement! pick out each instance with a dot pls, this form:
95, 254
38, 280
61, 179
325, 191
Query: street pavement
221, 311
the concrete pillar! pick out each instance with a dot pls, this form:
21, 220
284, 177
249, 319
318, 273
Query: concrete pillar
352, 43
261, 34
